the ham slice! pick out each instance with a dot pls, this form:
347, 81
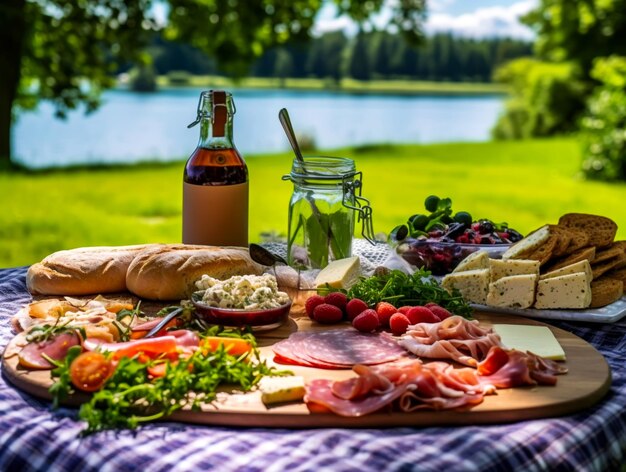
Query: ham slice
32, 355
412, 384
453, 338
513, 368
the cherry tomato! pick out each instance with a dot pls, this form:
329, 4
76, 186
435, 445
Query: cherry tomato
90, 370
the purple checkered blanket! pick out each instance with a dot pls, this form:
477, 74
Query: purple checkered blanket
34, 437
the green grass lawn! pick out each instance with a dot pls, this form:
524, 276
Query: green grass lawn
524, 183
346, 85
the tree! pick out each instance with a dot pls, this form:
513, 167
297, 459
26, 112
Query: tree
359, 59
579, 30
49, 48
283, 65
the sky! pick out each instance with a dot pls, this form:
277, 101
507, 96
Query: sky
468, 18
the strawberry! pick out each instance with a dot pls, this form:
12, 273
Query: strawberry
440, 312
355, 307
421, 314
338, 299
384, 311
311, 303
398, 324
366, 322
327, 314
404, 309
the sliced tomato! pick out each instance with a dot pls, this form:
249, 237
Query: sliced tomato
151, 347
90, 370
234, 346
157, 370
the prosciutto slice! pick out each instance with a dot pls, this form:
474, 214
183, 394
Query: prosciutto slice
454, 338
513, 368
409, 383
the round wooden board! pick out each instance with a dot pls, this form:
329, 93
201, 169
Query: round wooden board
588, 380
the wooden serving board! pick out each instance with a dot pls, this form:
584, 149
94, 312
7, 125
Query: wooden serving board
588, 380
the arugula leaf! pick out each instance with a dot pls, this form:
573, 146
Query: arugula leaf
130, 397
399, 288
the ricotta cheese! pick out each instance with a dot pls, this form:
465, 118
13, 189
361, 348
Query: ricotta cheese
515, 291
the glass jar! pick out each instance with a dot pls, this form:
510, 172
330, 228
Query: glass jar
326, 193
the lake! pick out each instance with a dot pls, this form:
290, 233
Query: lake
131, 127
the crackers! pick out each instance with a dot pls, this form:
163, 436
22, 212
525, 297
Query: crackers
579, 237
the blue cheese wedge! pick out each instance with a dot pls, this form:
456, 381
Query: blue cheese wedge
342, 273
281, 389
537, 339
576, 267
506, 267
473, 284
476, 260
515, 291
565, 291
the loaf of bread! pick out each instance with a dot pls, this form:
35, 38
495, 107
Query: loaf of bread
169, 272
83, 271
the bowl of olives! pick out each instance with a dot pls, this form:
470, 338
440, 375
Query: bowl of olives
440, 239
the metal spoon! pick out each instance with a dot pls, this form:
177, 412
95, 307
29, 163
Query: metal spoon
283, 116
262, 256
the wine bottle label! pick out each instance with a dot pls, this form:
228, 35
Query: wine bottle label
215, 215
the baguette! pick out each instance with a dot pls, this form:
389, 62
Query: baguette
169, 272
83, 271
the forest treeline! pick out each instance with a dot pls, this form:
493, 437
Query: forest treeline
367, 56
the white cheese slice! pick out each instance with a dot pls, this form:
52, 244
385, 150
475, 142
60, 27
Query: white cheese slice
473, 284
580, 266
565, 291
476, 260
528, 244
515, 291
537, 339
342, 273
281, 389
504, 268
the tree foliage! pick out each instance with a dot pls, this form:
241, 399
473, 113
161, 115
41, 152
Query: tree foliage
603, 126
66, 52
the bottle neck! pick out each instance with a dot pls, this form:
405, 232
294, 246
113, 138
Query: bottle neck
212, 137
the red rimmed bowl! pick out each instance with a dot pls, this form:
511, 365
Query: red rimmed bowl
441, 258
257, 320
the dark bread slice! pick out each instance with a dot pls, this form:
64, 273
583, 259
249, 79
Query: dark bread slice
580, 255
605, 291
601, 230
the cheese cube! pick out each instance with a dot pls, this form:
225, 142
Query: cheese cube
537, 339
505, 268
515, 291
342, 273
281, 389
565, 291
580, 266
473, 284
476, 260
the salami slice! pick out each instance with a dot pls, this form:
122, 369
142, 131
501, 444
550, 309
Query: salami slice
337, 349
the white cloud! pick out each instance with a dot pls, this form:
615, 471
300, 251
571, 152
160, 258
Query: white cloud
482, 23
485, 22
